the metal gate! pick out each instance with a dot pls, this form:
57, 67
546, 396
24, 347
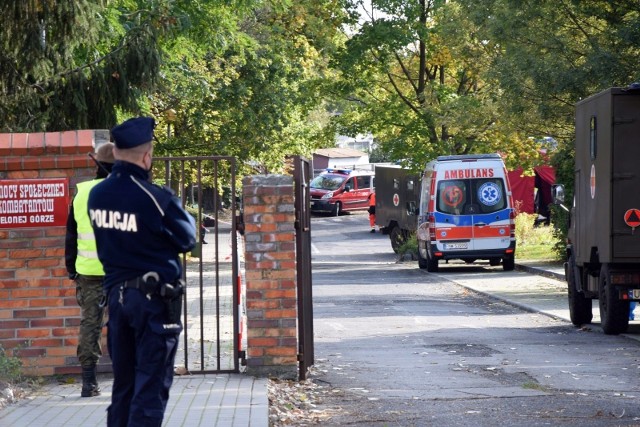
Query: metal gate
301, 177
212, 339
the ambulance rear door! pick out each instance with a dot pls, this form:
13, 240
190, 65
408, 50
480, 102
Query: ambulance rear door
472, 213
491, 213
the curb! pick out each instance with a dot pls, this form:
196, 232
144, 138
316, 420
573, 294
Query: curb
541, 272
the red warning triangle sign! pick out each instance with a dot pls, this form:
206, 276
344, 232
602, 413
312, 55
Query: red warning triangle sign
632, 217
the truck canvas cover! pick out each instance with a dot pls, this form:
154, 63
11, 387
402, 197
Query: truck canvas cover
607, 176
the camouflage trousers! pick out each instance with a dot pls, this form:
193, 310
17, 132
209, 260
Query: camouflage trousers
90, 298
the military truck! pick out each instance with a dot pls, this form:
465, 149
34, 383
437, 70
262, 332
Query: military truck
397, 199
603, 249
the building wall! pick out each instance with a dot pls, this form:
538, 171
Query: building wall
39, 316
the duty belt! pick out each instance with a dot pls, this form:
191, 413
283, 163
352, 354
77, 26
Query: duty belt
149, 284
140, 284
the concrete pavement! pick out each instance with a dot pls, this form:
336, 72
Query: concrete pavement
547, 295
221, 400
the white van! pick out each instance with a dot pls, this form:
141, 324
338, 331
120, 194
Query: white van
466, 212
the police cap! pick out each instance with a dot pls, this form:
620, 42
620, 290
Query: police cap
133, 132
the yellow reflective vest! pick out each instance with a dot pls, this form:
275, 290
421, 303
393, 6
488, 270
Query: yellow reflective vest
87, 262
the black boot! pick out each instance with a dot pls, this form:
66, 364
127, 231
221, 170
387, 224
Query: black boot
90, 386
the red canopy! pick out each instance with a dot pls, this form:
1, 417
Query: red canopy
523, 188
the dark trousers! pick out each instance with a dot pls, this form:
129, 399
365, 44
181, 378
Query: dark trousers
143, 348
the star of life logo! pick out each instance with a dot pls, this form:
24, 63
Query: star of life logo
489, 194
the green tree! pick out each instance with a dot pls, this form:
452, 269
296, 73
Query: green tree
414, 74
239, 78
548, 55
71, 65
252, 91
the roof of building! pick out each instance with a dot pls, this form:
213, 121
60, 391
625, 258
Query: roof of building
339, 152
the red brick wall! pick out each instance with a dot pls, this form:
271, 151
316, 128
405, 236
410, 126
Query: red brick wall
270, 274
39, 316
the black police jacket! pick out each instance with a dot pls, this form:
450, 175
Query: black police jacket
139, 227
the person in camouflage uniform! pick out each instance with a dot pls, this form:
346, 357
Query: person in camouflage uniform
83, 266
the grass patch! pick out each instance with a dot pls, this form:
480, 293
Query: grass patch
533, 386
535, 243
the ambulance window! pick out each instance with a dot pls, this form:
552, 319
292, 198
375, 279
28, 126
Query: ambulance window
489, 194
452, 196
593, 140
396, 184
410, 185
425, 195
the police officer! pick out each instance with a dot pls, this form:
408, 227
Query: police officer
84, 267
141, 229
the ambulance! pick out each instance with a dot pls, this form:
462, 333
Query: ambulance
466, 212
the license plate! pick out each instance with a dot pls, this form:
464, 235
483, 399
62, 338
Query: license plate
456, 245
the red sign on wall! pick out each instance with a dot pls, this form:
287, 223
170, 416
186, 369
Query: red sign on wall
34, 202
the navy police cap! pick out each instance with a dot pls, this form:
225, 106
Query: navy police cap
133, 132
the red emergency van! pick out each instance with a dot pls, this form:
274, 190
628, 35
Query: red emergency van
341, 190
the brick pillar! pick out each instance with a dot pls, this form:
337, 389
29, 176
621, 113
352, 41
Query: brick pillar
270, 274
39, 316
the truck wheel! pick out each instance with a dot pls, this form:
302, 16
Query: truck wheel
508, 263
397, 238
580, 307
614, 312
336, 209
432, 263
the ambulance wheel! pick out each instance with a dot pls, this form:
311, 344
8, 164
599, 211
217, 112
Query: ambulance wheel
336, 209
422, 263
614, 312
580, 307
432, 263
508, 263
396, 237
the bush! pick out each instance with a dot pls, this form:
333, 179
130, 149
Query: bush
535, 242
409, 247
10, 367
